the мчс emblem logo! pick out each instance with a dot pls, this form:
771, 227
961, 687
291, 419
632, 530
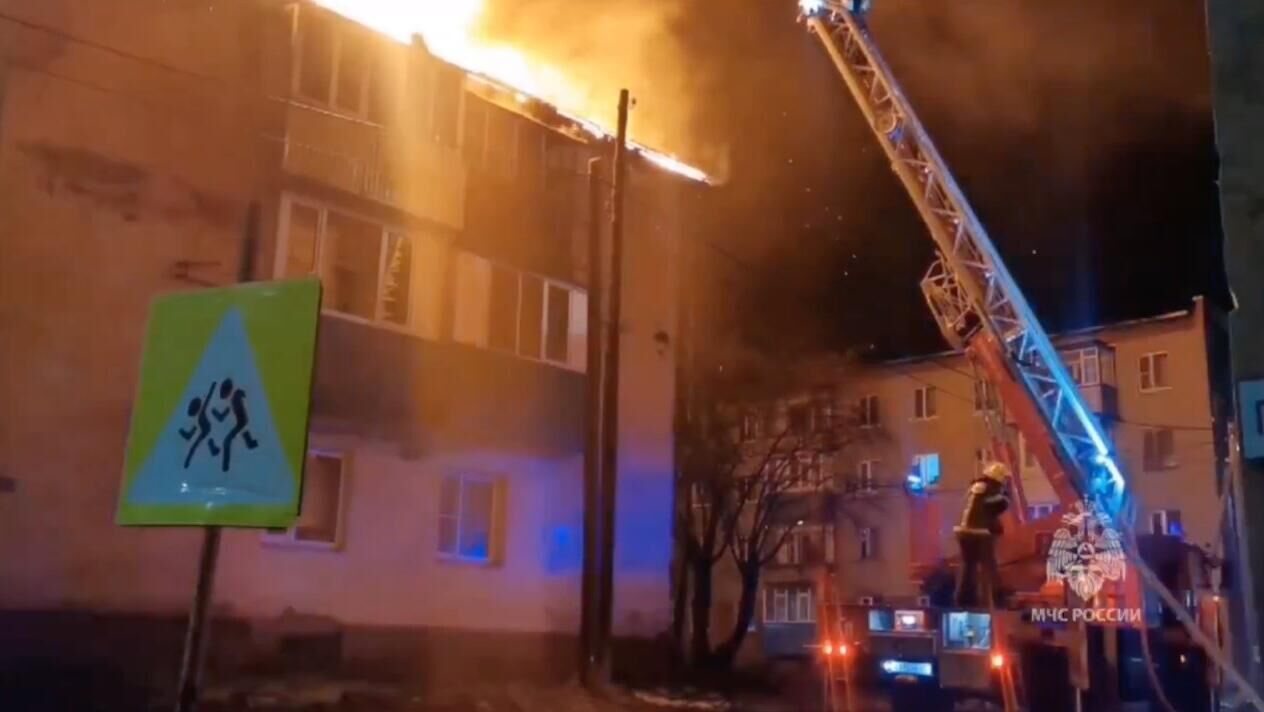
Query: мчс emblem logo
1086, 552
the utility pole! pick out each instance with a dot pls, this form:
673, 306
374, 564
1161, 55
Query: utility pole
589, 639
194, 657
610, 393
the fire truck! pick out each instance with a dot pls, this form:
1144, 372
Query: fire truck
928, 655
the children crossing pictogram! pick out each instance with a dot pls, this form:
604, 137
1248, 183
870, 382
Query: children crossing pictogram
218, 451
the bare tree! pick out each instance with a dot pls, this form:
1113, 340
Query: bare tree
737, 484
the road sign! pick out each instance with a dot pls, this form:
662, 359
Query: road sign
1251, 401
219, 425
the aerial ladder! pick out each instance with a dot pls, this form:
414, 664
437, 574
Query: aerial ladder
980, 310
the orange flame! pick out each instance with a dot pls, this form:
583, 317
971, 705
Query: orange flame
451, 29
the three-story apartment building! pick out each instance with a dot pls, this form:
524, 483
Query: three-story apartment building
1155, 383
447, 218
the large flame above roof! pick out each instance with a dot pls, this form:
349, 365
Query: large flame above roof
451, 31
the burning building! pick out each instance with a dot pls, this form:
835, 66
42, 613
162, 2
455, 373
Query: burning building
447, 215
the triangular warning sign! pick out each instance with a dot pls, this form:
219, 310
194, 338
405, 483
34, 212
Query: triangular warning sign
220, 445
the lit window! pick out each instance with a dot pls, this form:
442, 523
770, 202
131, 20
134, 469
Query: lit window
926, 468
1154, 371
517, 312
366, 269
1166, 522
1038, 511
868, 411
924, 403
319, 522
467, 515
1159, 449
333, 66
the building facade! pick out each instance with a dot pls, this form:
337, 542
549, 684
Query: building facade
1155, 383
140, 150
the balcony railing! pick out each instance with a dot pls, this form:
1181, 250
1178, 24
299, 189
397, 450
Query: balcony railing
404, 170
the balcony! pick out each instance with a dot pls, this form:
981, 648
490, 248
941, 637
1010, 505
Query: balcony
404, 170
1092, 367
422, 394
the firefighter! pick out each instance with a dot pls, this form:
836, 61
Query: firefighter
986, 501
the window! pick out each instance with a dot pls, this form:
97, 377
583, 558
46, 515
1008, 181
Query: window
1167, 522
521, 313
985, 397
805, 471
924, 403
1038, 511
1084, 365
789, 604
750, 426
467, 516
926, 468
965, 630
319, 523
1029, 456
799, 418
867, 538
1160, 449
807, 546
866, 475
333, 62
823, 409
366, 270
868, 410
1154, 372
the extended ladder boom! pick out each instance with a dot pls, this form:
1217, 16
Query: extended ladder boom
970, 291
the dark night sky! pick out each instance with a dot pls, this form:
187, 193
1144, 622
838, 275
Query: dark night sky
1080, 131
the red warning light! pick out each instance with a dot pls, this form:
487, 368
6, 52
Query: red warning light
998, 661
828, 649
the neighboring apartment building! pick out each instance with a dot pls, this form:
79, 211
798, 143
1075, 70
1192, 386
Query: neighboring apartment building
1154, 382
447, 219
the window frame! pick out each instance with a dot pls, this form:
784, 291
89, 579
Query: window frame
869, 417
866, 538
1152, 457
986, 398
1079, 363
1165, 518
494, 548
919, 458
1151, 358
386, 230
790, 596
924, 401
288, 538
341, 29
576, 359
866, 477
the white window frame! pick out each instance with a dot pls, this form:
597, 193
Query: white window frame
749, 427
866, 476
1076, 362
865, 600
574, 361
493, 543
865, 537
925, 406
289, 201
791, 597
870, 416
289, 537
1143, 370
